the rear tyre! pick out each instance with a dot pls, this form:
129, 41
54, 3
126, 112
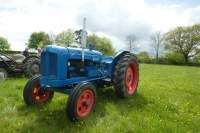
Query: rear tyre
32, 67
81, 102
33, 94
126, 76
3, 75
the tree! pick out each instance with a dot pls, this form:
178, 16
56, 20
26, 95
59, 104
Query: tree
156, 40
132, 41
38, 39
66, 38
196, 59
101, 44
4, 45
174, 58
143, 57
184, 40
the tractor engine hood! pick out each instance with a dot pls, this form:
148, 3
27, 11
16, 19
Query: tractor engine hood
54, 63
73, 53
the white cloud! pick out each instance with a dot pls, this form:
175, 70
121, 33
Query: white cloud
114, 18
192, 15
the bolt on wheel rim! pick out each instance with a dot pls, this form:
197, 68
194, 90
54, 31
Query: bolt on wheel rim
35, 68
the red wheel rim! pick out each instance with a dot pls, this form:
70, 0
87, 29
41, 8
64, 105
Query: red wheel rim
85, 103
131, 78
39, 98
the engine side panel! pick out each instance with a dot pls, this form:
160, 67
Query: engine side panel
63, 66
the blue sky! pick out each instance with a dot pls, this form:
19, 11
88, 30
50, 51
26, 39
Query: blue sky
114, 19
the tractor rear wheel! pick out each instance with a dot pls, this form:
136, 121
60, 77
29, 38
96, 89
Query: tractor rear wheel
126, 76
3, 75
33, 93
32, 67
82, 101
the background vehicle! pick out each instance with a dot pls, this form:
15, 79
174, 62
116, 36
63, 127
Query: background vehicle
18, 64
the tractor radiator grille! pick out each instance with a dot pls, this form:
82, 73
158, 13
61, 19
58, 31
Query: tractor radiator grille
43, 65
49, 65
53, 62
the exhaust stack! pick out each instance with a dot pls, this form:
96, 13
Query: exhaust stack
83, 39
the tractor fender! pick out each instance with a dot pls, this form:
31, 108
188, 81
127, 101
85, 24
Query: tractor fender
28, 58
117, 57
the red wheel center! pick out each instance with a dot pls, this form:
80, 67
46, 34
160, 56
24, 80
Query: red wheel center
131, 78
85, 103
37, 96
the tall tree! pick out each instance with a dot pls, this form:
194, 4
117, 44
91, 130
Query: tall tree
38, 39
156, 40
101, 44
66, 38
184, 40
131, 44
4, 45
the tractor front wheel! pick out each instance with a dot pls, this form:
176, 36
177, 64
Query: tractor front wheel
82, 101
126, 76
33, 94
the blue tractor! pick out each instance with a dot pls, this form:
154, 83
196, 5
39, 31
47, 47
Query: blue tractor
78, 72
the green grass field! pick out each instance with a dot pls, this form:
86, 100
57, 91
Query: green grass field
167, 100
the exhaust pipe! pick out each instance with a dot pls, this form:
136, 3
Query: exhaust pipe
83, 39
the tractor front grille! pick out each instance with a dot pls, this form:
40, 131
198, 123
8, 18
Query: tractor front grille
43, 65
53, 65
49, 62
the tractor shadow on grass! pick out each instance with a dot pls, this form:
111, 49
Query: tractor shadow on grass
106, 97
51, 117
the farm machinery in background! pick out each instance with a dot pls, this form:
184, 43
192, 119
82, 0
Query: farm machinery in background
78, 72
18, 65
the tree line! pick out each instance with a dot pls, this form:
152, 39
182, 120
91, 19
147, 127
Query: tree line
179, 45
68, 38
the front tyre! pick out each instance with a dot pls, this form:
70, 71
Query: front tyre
82, 101
126, 76
34, 94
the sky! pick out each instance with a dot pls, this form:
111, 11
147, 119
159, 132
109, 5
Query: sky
113, 19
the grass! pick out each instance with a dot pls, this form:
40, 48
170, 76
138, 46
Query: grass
167, 100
